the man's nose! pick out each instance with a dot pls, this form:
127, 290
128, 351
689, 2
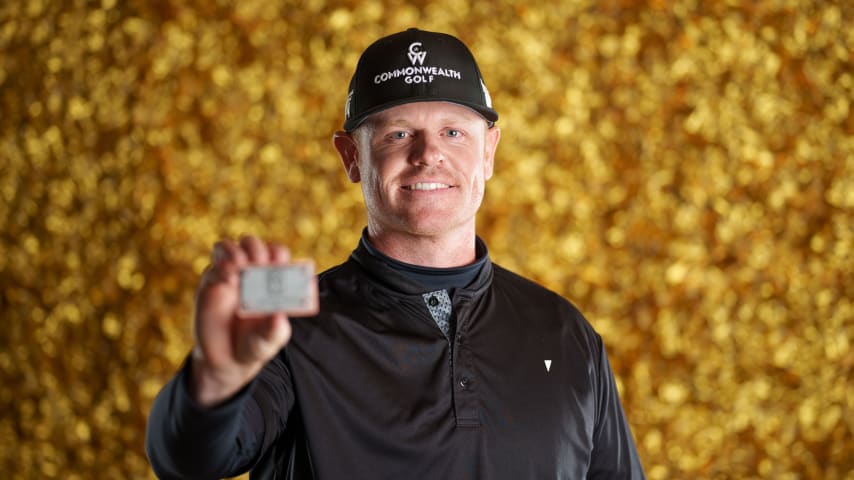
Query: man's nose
427, 150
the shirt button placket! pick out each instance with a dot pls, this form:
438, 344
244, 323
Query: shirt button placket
465, 383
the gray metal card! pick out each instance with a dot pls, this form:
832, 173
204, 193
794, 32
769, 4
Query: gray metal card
277, 288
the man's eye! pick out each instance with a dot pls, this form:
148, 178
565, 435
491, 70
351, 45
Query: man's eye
452, 132
399, 135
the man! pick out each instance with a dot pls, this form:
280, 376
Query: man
425, 360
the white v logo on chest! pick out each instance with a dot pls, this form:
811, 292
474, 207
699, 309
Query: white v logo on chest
548, 365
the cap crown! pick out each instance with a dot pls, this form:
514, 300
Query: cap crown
415, 66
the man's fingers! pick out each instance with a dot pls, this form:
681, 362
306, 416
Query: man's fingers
278, 254
229, 257
250, 249
278, 330
255, 249
226, 260
227, 253
264, 338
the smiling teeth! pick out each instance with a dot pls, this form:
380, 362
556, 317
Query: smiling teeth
427, 186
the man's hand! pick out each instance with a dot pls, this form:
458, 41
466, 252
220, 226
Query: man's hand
231, 348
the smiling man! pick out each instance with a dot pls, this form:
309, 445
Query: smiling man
423, 167
425, 360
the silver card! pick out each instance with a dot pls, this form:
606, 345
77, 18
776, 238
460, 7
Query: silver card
290, 288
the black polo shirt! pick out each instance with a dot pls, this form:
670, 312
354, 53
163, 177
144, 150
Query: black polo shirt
371, 388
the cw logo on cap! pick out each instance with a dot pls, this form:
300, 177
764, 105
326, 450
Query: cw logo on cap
416, 54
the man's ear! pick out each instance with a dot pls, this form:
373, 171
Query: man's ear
493, 135
345, 143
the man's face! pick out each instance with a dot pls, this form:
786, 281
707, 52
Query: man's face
423, 167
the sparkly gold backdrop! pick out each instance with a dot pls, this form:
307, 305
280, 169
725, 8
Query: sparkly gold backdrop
684, 174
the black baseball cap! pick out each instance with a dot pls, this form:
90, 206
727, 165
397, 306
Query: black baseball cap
415, 66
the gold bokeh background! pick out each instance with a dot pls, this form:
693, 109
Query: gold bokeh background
683, 171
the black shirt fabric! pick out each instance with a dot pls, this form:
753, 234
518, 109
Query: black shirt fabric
371, 388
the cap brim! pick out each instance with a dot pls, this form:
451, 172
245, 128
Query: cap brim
488, 114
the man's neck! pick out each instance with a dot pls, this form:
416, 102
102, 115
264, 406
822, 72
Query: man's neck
439, 251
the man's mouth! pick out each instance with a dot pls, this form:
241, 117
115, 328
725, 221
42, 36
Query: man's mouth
426, 186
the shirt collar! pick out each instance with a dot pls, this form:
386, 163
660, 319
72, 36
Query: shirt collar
397, 276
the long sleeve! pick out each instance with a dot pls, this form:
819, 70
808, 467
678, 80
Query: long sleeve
614, 453
184, 440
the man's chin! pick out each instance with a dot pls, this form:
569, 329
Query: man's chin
435, 225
